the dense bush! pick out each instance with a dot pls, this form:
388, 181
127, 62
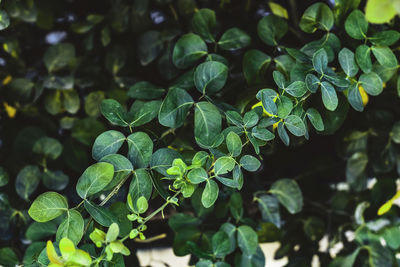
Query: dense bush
237, 122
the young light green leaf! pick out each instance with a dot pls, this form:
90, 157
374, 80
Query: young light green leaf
329, 96
142, 204
234, 38
112, 233
189, 49
48, 206
94, 179
372, 83
210, 77
107, 143
347, 62
140, 149
175, 108
247, 239
250, 163
271, 29
295, 125
356, 25
289, 195
234, 144
210, 194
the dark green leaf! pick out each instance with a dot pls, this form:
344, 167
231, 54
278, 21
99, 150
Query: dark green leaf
371, 83
347, 62
289, 195
107, 143
140, 149
210, 194
320, 61
295, 125
329, 96
49, 147
317, 16
250, 163
175, 108
269, 207
189, 49
145, 91
255, 64
210, 77
27, 181
203, 23
71, 227
55, 180
297, 89
385, 56
356, 25
58, 56
94, 179
363, 58
234, 144
247, 239
315, 119
141, 186
207, 124
100, 214
271, 29
233, 39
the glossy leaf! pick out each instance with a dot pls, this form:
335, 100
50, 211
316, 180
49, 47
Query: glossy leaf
210, 77
107, 143
295, 125
48, 206
271, 29
347, 62
71, 227
234, 38
247, 239
175, 108
356, 25
140, 149
329, 96
371, 83
210, 194
94, 179
189, 49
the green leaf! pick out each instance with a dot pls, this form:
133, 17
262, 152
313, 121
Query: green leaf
315, 119
317, 16
207, 124
255, 64
312, 82
297, 89
283, 135
271, 29
86, 130
234, 38
197, 175
347, 62
210, 77
224, 165
372, 83
49, 147
141, 186
220, 244
247, 239
189, 49
234, 144
149, 47
122, 168
250, 119
4, 20
355, 98
289, 195
112, 233
329, 96
175, 108
262, 134
114, 112
380, 11
162, 159
107, 143
71, 101
295, 125
284, 105
55, 180
8, 256
269, 207
71, 227
268, 98
48, 206
210, 194
279, 79
250, 163
389, 37
363, 58
236, 206
94, 179
395, 133
27, 181
140, 149
4, 178
385, 56
58, 56
145, 91
142, 204
204, 23
320, 61
143, 112
100, 214
356, 25
93, 102
41, 230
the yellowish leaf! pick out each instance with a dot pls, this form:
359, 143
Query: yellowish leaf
11, 111
52, 254
278, 10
